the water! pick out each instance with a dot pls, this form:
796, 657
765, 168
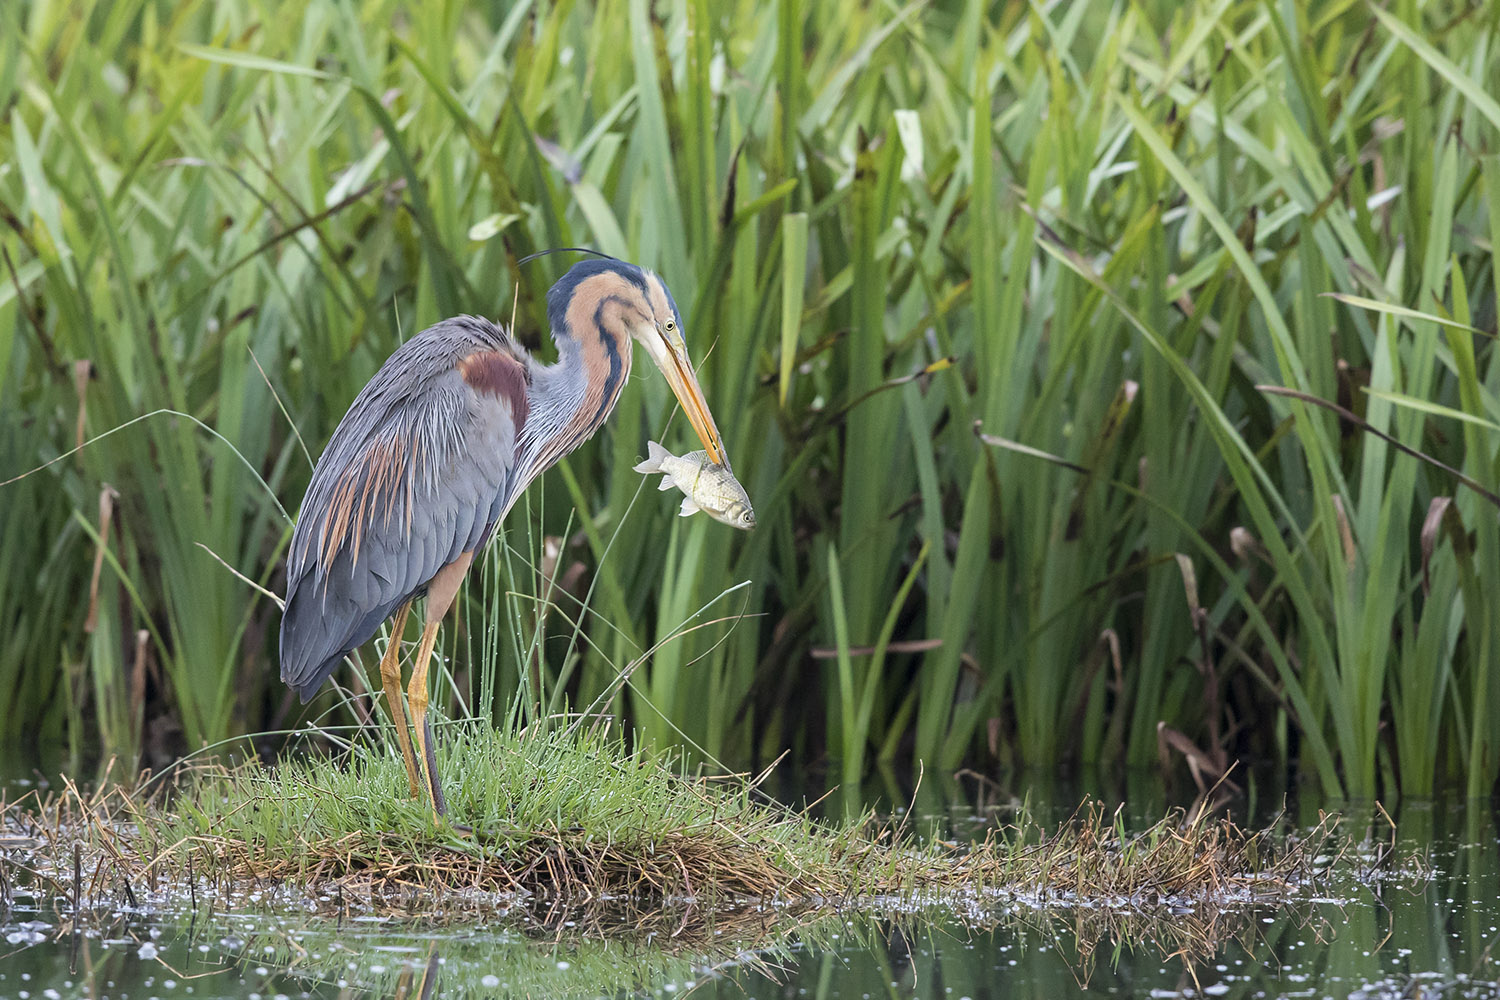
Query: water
1373, 938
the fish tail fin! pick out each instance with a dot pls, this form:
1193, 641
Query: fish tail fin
688, 507
654, 454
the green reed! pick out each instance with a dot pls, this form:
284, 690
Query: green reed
1118, 220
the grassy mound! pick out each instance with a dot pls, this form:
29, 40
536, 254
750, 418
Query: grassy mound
580, 819
550, 814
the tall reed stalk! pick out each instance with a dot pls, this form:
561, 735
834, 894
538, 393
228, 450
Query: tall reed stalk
1091, 232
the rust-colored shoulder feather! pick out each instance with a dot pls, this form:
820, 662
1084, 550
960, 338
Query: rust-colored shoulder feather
502, 375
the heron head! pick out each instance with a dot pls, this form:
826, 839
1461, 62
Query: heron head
661, 334
639, 300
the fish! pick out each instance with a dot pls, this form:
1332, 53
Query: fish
707, 487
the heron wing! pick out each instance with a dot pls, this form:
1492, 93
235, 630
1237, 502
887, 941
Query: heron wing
417, 473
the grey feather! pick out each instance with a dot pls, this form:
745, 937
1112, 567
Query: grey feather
459, 474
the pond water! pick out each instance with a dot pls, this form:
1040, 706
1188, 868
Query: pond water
1372, 937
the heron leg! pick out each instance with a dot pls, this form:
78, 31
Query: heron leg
441, 590
417, 694
390, 679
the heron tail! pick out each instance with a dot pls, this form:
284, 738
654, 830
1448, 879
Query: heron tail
654, 455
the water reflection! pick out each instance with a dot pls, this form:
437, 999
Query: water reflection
422, 990
1380, 932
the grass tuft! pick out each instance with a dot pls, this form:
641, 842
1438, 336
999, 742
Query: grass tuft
578, 819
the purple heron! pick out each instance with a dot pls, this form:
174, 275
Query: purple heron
432, 454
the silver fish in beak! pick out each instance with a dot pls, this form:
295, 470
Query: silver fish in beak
706, 486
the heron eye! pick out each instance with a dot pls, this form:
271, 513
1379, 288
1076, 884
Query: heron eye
671, 325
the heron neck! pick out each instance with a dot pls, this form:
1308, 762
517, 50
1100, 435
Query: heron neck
557, 392
569, 400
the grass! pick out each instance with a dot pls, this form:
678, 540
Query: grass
575, 820
1118, 220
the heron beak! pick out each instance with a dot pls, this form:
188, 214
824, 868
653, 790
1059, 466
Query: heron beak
684, 382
